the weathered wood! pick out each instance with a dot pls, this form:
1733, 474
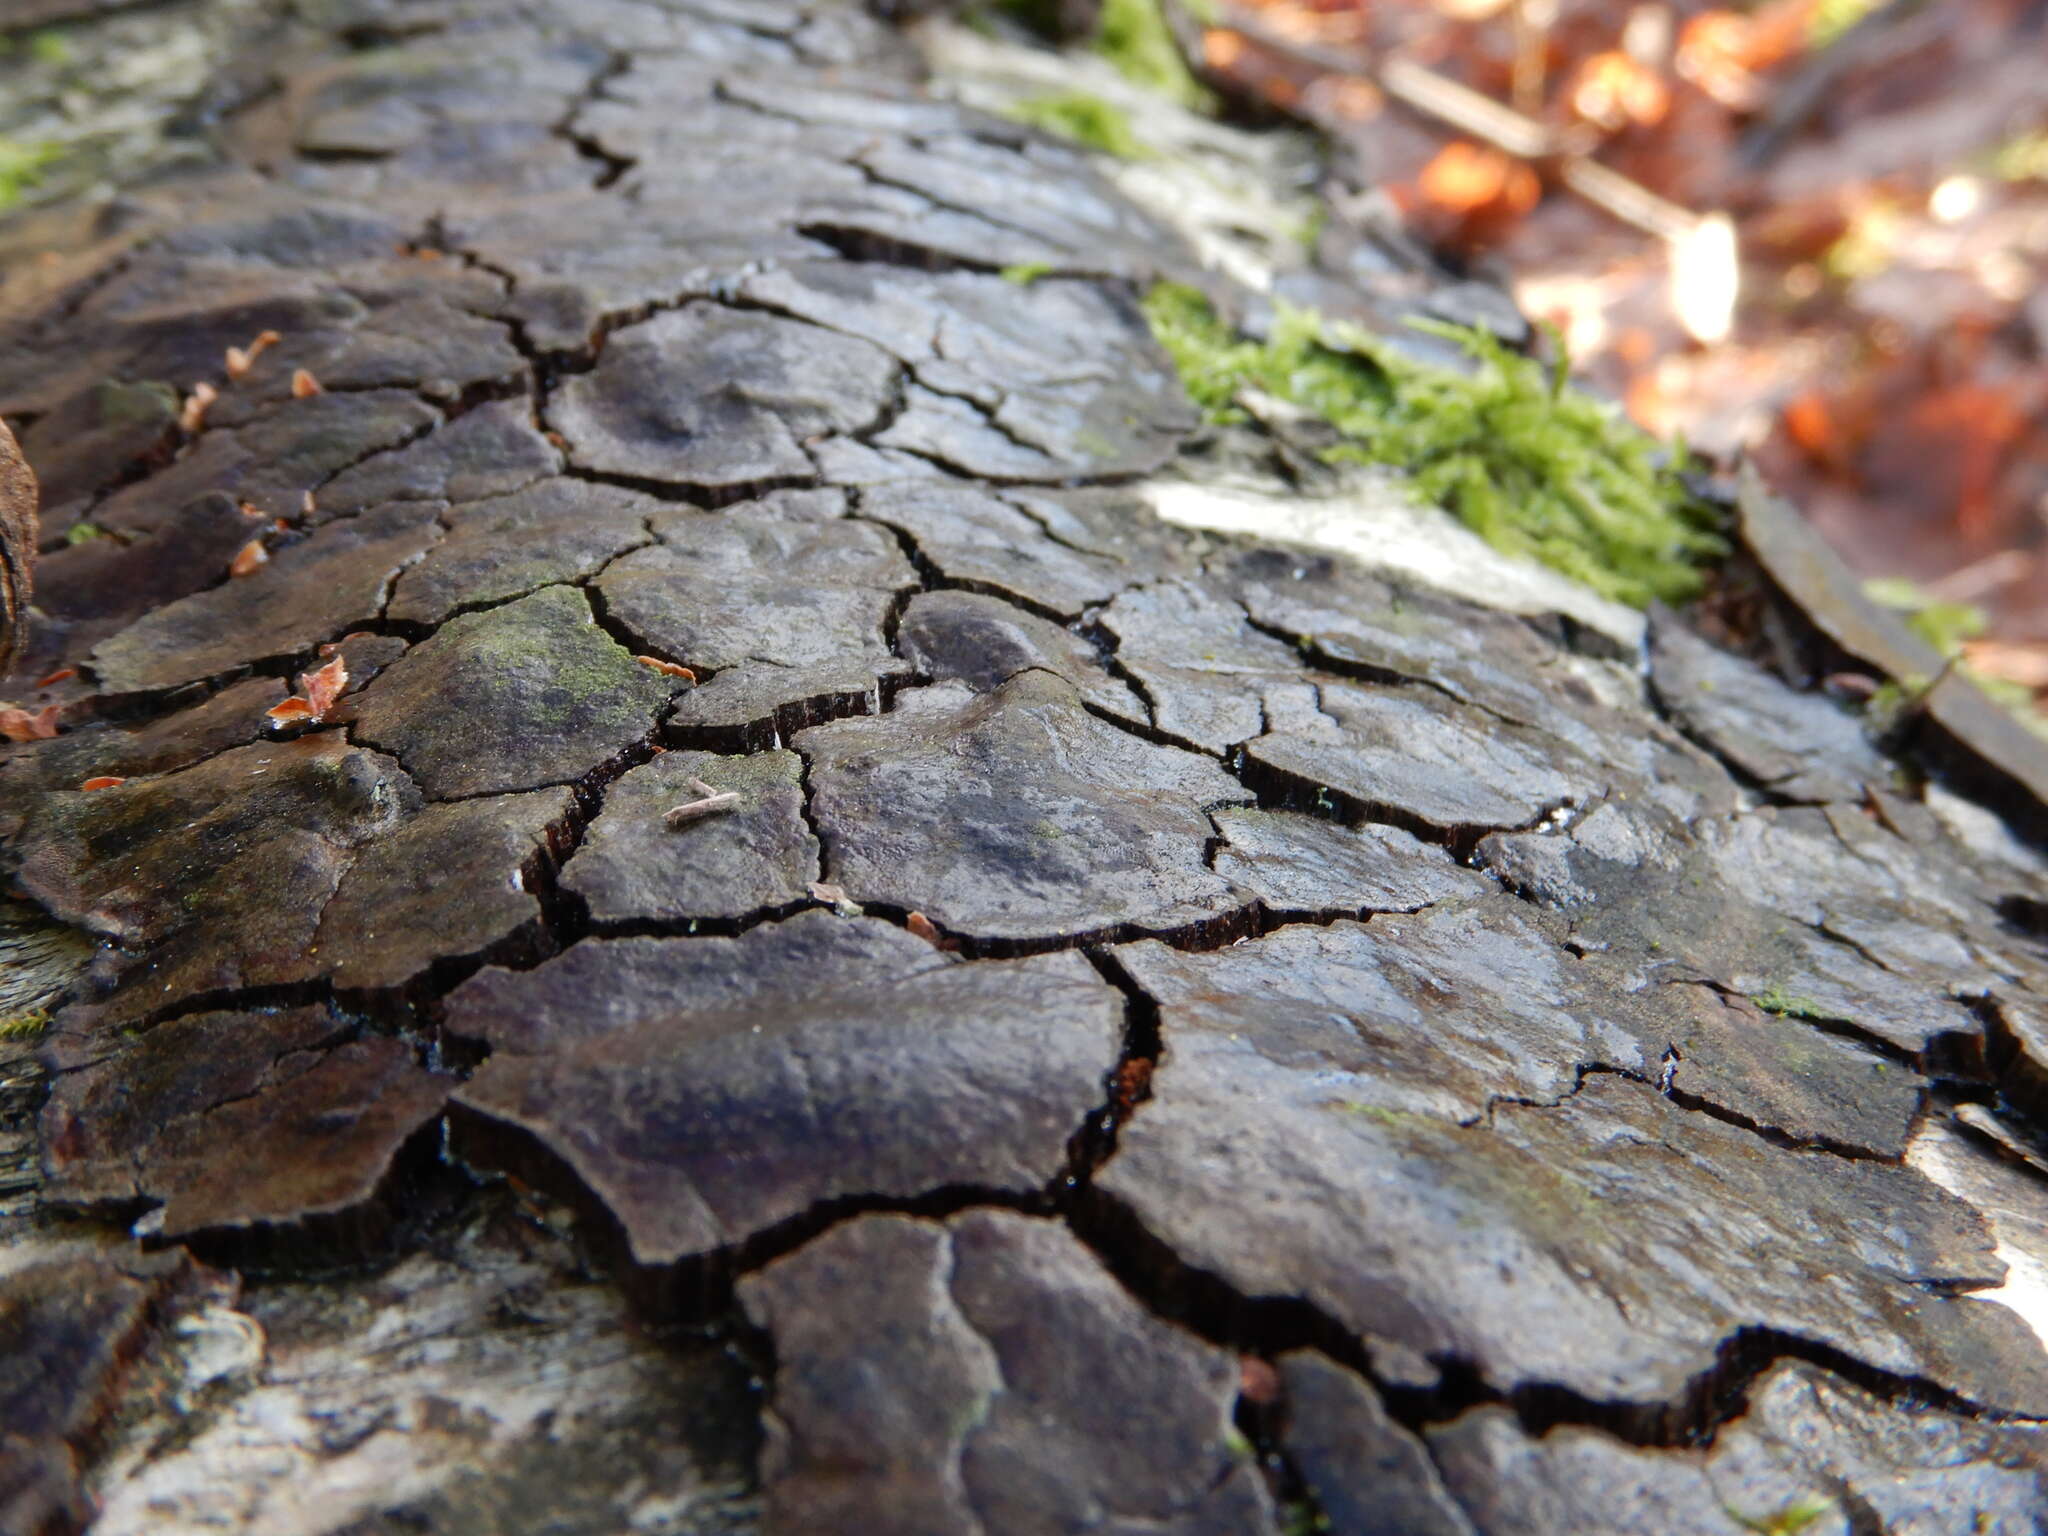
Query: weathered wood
1216, 1003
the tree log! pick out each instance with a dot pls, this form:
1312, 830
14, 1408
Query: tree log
707, 867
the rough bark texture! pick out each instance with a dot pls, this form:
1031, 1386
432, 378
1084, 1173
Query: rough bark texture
1172, 1032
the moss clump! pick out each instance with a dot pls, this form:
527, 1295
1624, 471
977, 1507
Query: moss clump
21, 167
1134, 37
25, 1026
1086, 119
1775, 999
1025, 273
1536, 468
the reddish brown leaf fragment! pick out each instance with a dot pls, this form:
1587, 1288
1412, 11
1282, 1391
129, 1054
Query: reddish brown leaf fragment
304, 384
1257, 1380
318, 691
241, 359
667, 668
103, 781
192, 416
61, 675
248, 558
1133, 1084
17, 724
923, 927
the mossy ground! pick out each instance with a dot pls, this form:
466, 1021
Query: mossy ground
1536, 468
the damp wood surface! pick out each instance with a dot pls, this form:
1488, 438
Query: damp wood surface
808, 961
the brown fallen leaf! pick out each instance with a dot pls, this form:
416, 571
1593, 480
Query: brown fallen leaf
249, 558
923, 927
17, 724
104, 781
192, 416
18, 535
304, 384
61, 675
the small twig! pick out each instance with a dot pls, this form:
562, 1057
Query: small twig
709, 801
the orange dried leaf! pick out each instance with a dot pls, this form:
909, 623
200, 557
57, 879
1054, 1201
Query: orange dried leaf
249, 558
192, 416
1257, 1381
287, 710
250, 509
242, 359
1613, 90
1133, 1084
17, 724
1464, 177
104, 781
317, 693
923, 927
667, 668
324, 685
1221, 48
61, 675
304, 384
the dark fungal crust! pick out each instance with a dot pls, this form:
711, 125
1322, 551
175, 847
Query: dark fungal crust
1166, 1024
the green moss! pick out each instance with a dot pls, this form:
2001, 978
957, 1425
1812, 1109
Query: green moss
1946, 627
1789, 1521
25, 1026
1775, 999
2024, 157
1832, 18
1134, 37
50, 48
21, 167
1536, 468
83, 533
1086, 119
1025, 273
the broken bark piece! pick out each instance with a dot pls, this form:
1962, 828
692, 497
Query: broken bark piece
18, 536
245, 1121
506, 546
335, 580
515, 697
217, 872
73, 1317
1365, 1472
760, 1082
956, 808
984, 642
455, 881
1535, 1204
1793, 744
945, 1377
756, 855
1300, 864
706, 395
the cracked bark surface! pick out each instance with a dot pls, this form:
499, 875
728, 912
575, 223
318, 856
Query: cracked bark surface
1174, 1032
